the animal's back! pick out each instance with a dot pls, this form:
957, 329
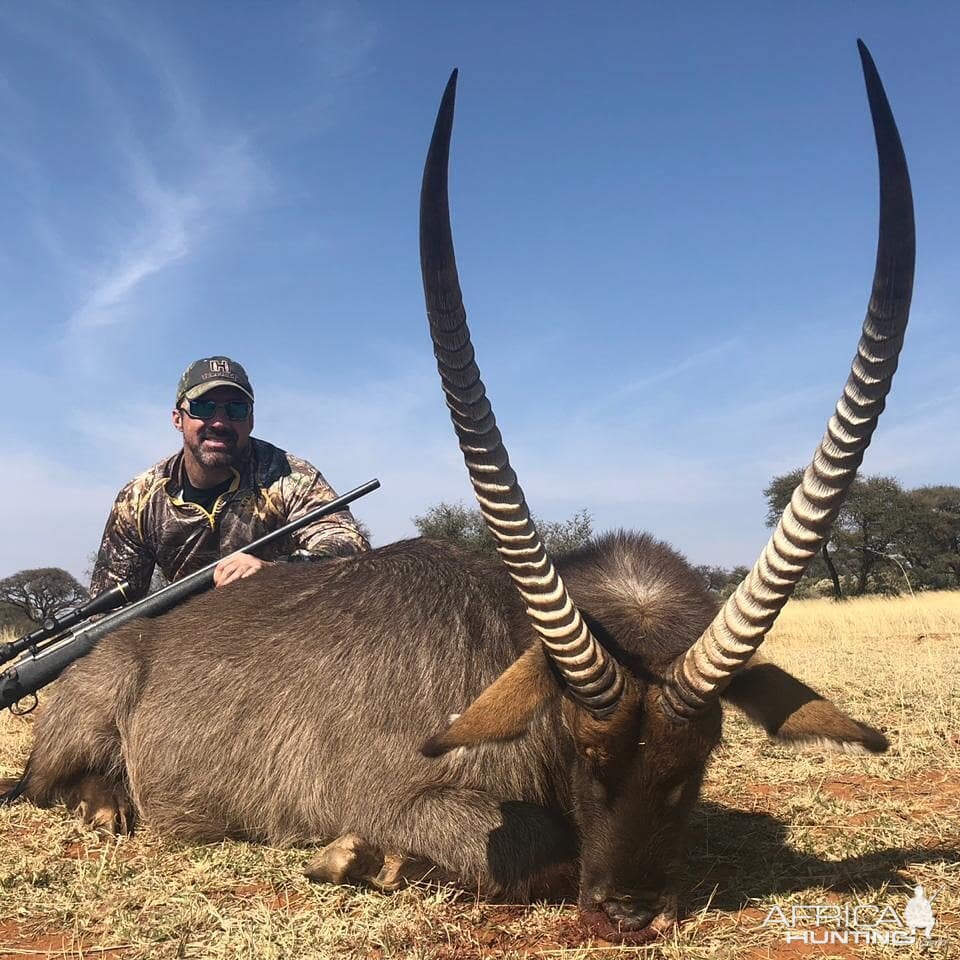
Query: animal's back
292, 705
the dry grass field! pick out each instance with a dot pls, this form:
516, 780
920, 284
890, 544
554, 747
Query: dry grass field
774, 828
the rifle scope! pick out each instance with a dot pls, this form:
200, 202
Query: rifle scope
102, 603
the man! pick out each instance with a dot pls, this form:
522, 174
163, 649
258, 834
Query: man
222, 491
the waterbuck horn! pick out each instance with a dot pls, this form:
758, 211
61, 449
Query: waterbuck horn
703, 671
590, 674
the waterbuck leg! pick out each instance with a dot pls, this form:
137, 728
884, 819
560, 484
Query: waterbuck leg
76, 757
349, 857
501, 847
8, 785
103, 805
399, 870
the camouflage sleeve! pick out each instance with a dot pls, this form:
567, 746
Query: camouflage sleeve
123, 555
335, 535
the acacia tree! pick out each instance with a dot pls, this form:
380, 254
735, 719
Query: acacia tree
454, 521
466, 526
885, 535
720, 580
43, 592
869, 530
563, 536
930, 541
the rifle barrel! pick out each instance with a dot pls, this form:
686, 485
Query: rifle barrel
30, 674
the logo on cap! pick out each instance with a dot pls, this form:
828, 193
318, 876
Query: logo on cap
209, 372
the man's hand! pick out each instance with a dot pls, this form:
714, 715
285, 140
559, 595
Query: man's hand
237, 566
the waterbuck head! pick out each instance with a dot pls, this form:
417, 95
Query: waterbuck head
634, 681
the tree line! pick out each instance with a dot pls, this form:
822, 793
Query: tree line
886, 539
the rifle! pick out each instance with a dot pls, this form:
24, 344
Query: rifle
52, 627
47, 660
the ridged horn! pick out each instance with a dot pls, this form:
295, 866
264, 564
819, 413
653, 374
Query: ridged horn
591, 675
699, 675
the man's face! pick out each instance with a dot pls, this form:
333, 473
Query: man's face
219, 441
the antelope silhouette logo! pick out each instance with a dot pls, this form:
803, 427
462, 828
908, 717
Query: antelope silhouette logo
919, 913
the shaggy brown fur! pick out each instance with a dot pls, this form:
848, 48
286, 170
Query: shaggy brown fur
292, 707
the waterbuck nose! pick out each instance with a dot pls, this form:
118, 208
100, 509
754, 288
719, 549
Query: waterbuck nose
627, 913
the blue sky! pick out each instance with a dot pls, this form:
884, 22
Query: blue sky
665, 217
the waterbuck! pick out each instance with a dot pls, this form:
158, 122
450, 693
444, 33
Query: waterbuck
500, 723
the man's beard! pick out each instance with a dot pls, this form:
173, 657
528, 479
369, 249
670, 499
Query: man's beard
228, 457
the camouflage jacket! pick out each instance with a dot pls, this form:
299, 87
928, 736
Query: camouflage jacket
151, 525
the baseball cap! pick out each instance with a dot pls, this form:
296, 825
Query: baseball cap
209, 372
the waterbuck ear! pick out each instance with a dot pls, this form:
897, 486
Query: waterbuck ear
504, 710
791, 711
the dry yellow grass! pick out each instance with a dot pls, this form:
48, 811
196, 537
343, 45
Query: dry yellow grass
774, 827
892, 661
934, 614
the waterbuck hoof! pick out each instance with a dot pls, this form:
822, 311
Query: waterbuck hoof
104, 807
349, 857
391, 876
398, 871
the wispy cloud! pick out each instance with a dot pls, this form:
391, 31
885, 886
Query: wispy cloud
134, 436
172, 181
643, 384
116, 283
172, 223
691, 362
949, 399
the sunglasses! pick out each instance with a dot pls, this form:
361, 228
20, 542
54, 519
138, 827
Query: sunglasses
207, 409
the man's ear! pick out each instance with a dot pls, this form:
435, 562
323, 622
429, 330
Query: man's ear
178, 419
504, 710
792, 712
